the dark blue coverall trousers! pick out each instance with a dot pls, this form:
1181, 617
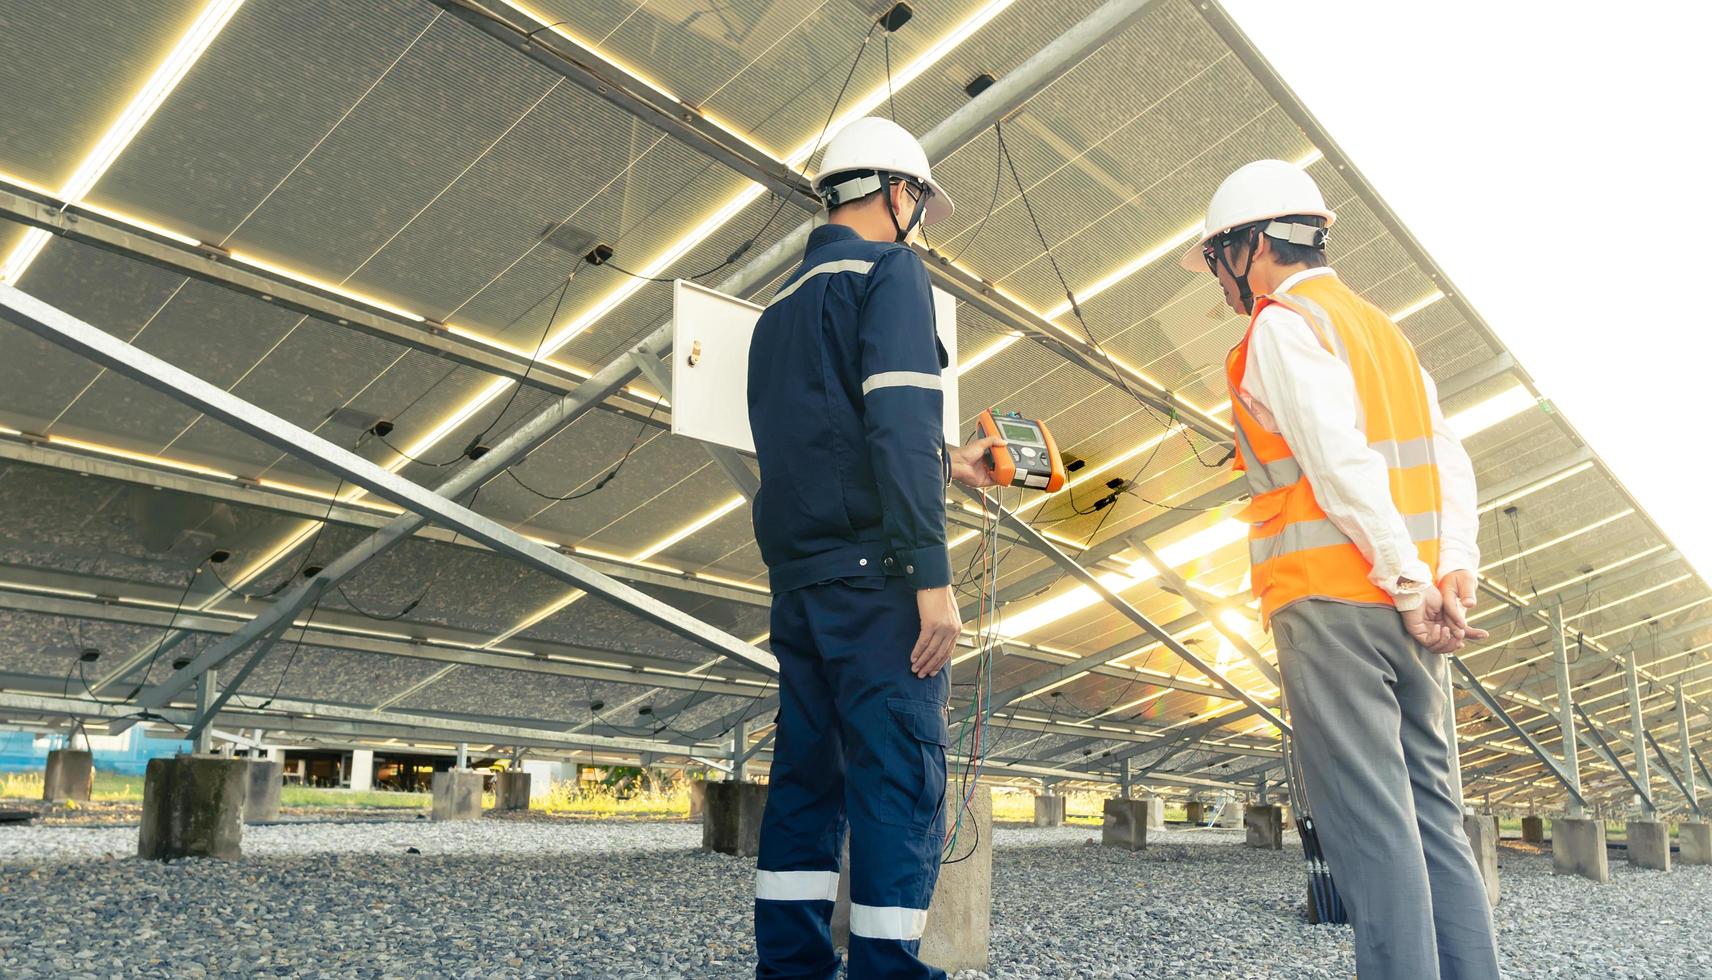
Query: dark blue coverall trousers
845, 406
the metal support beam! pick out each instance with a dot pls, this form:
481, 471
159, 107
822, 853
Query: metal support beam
347, 515
1638, 729
1472, 684
1040, 543
739, 757
974, 117
1604, 749
1565, 711
215, 265
1670, 772
290, 716
202, 737
440, 646
601, 78
1181, 586
463, 755
1123, 779
1689, 788
589, 69
61, 328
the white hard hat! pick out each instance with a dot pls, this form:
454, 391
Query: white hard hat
1260, 190
876, 143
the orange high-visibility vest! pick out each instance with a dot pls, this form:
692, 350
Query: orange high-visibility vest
1296, 551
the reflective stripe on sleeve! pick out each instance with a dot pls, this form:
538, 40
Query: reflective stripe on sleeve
859, 266
887, 922
796, 886
1406, 454
901, 379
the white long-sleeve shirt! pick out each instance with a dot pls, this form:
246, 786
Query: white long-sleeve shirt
1295, 387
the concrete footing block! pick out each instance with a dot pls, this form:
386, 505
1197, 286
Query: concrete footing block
731, 824
1155, 812
698, 798
267, 778
1694, 841
511, 790
959, 919
1265, 826
1578, 848
1049, 811
1482, 831
457, 795
1230, 816
70, 775
1195, 813
1125, 824
1649, 844
1534, 830
193, 806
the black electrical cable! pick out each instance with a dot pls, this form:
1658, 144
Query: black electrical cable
1522, 551
608, 478
546, 329
83, 678
558, 288
750, 243
891, 95
166, 634
975, 826
992, 205
1168, 420
359, 610
313, 608
744, 248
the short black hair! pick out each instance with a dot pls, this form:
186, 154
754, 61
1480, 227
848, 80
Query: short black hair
1290, 253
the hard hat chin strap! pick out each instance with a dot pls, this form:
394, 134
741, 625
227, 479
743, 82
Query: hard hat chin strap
903, 231
1244, 292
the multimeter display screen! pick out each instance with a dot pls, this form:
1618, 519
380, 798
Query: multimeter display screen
1021, 433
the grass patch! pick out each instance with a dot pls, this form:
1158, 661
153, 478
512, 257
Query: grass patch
109, 787
315, 796
670, 800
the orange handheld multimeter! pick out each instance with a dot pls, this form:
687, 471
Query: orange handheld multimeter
1031, 458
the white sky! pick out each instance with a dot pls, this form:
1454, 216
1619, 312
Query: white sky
1553, 158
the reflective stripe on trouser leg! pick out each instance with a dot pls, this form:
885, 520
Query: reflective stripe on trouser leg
894, 732
802, 829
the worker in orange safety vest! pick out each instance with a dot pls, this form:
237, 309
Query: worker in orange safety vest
1363, 526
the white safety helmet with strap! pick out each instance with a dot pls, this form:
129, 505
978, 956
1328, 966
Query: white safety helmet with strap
869, 154
1255, 193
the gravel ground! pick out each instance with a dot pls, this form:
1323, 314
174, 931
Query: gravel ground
639, 900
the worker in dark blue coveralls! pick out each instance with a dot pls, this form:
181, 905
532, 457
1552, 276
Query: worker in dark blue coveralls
846, 408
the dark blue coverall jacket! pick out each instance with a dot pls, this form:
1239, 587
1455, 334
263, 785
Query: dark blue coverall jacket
845, 405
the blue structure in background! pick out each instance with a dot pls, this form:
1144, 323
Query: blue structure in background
127, 754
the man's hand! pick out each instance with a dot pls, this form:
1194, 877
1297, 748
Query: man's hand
940, 627
1457, 591
1426, 623
969, 464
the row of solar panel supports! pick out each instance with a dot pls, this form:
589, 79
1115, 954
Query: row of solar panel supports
999, 101
644, 354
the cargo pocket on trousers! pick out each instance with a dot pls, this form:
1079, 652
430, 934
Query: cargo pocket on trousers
918, 784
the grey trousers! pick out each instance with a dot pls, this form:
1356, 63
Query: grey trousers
1368, 713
